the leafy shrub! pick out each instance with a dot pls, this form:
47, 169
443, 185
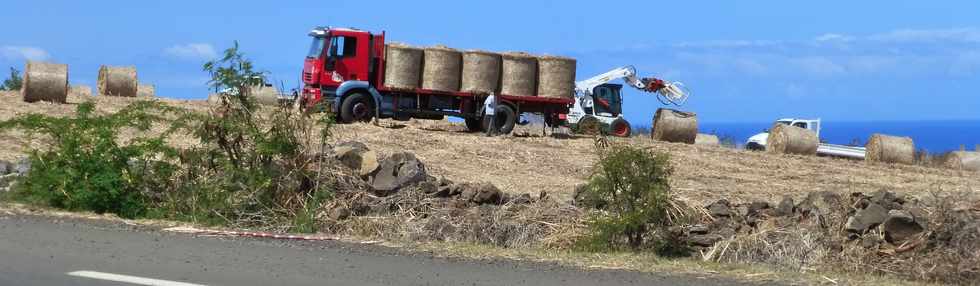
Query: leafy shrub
14, 82
86, 167
631, 188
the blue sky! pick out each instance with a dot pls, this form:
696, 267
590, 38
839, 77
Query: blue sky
744, 60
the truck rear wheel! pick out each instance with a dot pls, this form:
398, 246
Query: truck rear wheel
620, 128
504, 120
357, 107
474, 125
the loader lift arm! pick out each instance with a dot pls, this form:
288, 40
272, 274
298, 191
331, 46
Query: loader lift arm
667, 92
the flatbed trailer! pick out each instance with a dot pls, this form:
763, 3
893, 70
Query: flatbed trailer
344, 73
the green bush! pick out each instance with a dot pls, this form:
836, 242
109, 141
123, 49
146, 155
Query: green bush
631, 189
13, 82
86, 168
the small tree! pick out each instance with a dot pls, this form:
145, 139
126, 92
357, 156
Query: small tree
631, 188
14, 82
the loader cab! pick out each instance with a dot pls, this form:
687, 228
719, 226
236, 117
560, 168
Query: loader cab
607, 100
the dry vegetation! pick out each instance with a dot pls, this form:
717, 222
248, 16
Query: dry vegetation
535, 163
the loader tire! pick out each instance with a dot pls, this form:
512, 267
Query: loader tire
620, 128
474, 125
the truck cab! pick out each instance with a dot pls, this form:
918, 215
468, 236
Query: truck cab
339, 55
600, 108
759, 141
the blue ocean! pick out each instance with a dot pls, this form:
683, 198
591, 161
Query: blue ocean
931, 136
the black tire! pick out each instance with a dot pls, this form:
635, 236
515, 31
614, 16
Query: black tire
474, 125
620, 128
588, 125
505, 118
755, 146
357, 107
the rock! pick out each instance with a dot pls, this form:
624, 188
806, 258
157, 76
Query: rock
6, 167
429, 187
523, 199
785, 207
357, 156
22, 167
397, 171
900, 226
757, 207
482, 193
887, 199
704, 240
721, 208
338, 213
825, 206
867, 218
698, 229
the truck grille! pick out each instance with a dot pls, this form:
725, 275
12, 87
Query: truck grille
307, 76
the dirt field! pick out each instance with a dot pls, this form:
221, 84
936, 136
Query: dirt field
535, 163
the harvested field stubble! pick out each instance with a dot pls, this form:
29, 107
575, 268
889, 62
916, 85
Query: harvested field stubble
536, 163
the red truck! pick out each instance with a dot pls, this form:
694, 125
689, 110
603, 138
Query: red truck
344, 73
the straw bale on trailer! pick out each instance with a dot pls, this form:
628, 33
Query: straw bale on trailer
890, 149
80, 90
481, 72
45, 82
964, 160
787, 139
675, 126
518, 74
403, 66
556, 77
441, 69
146, 90
706, 139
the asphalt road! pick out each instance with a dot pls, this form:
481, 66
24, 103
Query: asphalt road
37, 250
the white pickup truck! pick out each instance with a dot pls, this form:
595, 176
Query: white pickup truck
758, 141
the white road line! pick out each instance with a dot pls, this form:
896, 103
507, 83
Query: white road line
128, 279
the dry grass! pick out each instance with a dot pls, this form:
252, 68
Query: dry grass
533, 163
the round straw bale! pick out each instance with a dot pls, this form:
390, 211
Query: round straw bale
118, 81
675, 126
80, 90
519, 74
45, 82
481, 72
265, 95
890, 149
145, 90
706, 139
556, 77
403, 66
441, 69
214, 98
965, 160
787, 139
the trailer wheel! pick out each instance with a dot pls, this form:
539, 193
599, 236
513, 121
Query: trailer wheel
620, 128
504, 120
474, 125
357, 107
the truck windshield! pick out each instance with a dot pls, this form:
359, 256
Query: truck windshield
316, 49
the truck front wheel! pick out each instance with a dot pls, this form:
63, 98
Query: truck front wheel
504, 119
357, 107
